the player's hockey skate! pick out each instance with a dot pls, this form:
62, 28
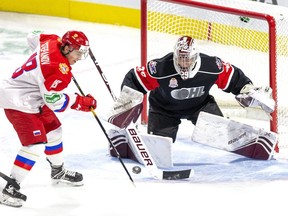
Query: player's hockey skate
12, 197
60, 175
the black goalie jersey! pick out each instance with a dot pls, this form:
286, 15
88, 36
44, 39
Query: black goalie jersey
170, 92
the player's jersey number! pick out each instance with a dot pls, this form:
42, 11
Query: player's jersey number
29, 65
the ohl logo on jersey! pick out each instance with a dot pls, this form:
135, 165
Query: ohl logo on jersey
64, 69
187, 93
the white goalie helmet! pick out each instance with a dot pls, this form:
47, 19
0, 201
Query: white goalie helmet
185, 57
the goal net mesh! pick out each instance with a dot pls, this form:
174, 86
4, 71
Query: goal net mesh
241, 40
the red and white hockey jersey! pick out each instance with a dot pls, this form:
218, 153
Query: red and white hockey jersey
40, 80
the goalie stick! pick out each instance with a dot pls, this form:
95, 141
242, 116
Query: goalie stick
140, 147
10, 181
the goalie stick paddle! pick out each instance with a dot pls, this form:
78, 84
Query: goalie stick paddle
153, 169
10, 181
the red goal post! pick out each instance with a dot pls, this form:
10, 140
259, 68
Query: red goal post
256, 33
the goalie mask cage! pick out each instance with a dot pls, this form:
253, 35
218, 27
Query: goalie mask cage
250, 35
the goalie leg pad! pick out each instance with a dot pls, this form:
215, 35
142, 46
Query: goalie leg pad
233, 136
259, 148
124, 151
120, 142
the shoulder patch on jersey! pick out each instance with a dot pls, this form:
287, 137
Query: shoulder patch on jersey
219, 63
63, 68
152, 67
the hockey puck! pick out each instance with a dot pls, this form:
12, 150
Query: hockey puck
136, 169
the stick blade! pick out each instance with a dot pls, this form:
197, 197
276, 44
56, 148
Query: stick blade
10, 181
178, 174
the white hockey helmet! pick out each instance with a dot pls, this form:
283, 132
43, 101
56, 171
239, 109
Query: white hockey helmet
185, 57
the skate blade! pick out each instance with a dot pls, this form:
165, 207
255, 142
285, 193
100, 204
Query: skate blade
61, 182
10, 201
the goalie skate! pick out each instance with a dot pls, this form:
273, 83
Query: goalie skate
12, 197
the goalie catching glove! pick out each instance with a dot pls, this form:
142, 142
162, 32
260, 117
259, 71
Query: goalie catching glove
127, 108
251, 96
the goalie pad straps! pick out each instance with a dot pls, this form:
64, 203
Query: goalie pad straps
251, 96
127, 108
260, 148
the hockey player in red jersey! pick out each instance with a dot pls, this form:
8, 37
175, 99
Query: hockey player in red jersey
179, 84
30, 98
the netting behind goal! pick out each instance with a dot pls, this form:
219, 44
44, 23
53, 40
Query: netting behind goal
250, 35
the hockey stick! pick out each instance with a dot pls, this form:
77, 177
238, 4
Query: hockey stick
140, 146
104, 131
10, 181
102, 74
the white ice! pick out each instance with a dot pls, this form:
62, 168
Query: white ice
223, 184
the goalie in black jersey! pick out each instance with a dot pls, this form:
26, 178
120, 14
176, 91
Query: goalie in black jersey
179, 85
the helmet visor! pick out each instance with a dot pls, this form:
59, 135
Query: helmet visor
82, 52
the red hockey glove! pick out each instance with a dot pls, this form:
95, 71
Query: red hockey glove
84, 103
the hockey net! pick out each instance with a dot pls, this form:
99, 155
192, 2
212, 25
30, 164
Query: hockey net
250, 35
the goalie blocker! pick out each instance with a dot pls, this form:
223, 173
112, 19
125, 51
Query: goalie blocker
126, 108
